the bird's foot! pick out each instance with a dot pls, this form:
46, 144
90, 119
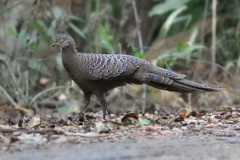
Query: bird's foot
77, 117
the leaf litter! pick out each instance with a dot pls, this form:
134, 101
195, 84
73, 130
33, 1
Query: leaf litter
44, 130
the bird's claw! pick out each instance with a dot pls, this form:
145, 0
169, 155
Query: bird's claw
77, 117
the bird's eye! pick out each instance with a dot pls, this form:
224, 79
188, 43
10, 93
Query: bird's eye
60, 41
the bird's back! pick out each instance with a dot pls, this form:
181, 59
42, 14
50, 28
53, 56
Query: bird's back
100, 71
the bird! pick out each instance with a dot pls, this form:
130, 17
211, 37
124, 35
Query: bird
96, 73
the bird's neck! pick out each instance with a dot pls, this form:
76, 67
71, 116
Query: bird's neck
69, 50
68, 57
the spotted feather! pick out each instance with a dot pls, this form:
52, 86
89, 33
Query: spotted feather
107, 66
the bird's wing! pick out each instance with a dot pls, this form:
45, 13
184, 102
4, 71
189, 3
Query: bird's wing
108, 66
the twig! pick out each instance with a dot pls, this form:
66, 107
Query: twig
23, 110
8, 96
189, 98
45, 91
138, 25
17, 107
12, 6
202, 61
214, 26
203, 25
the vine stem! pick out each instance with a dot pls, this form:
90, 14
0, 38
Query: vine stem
45, 91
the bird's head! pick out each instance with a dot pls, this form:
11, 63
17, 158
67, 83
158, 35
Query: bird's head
64, 41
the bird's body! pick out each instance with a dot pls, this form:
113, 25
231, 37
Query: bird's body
98, 73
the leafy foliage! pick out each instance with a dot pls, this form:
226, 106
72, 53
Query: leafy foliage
109, 27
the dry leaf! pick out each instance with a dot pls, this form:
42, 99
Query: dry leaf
130, 118
35, 121
101, 126
184, 112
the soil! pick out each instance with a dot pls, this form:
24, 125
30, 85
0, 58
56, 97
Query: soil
184, 148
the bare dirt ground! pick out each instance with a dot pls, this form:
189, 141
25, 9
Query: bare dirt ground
185, 148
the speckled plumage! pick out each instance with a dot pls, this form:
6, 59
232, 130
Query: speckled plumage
98, 73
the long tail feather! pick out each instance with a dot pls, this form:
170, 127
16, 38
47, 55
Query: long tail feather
198, 86
184, 85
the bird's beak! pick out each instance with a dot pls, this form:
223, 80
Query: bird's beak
54, 44
59, 42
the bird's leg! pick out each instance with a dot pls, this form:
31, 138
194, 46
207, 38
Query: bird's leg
86, 104
103, 102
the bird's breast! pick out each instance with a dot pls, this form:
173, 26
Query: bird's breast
72, 64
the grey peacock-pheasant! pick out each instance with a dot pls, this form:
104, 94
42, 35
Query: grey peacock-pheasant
96, 73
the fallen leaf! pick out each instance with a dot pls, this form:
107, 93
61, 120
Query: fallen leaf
143, 122
101, 126
130, 118
184, 112
35, 121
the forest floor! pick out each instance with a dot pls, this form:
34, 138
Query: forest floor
195, 135
184, 148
